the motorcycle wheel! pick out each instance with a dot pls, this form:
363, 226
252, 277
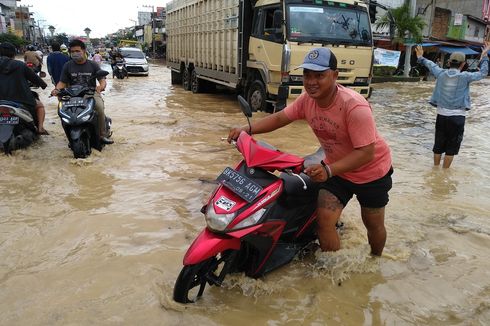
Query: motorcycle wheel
81, 147
192, 279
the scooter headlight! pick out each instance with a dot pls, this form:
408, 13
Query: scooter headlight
218, 222
84, 115
251, 220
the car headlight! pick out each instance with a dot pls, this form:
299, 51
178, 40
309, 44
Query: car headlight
251, 220
218, 222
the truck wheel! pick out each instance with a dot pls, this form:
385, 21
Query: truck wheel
186, 80
176, 78
197, 85
257, 96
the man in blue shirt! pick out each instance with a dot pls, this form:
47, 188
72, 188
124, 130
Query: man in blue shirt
451, 96
56, 61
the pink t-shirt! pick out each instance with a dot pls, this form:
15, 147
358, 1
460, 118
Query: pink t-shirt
346, 124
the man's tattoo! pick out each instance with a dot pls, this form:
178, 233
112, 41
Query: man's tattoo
328, 201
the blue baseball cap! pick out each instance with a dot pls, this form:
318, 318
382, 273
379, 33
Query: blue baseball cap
320, 59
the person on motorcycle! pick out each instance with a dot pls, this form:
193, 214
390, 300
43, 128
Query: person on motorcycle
14, 84
80, 71
56, 60
358, 160
115, 56
64, 50
32, 57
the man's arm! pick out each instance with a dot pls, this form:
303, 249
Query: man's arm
34, 78
267, 124
352, 161
49, 63
433, 67
483, 72
102, 85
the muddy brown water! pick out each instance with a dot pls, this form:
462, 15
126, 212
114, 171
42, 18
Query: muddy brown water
100, 241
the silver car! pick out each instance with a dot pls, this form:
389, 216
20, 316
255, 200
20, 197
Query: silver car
136, 62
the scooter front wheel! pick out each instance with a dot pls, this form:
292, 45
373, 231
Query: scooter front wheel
81, 147
193, 278
192, 281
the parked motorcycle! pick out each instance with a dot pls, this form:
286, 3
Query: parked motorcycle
256, 221
120, 71
79, 119
17, 127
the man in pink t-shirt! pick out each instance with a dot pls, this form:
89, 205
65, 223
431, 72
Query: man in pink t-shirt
357, 159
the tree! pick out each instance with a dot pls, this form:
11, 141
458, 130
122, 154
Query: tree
12, 38
60, 39
401, 24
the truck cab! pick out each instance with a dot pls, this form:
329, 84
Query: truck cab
284, 32
255, 47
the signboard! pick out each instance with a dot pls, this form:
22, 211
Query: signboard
384, 57
458, 19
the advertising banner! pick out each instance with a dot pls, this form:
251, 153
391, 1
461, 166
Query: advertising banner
384, 57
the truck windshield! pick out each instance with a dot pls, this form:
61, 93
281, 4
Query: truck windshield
328, 24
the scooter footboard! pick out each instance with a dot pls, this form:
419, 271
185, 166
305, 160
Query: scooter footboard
209, 244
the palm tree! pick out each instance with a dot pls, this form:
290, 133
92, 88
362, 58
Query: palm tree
401, 24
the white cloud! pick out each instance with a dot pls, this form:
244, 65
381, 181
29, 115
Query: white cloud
101, 16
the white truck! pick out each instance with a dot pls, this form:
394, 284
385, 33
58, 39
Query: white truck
256, 46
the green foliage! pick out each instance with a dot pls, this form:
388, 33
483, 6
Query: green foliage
12, 38
61, 38
403, 24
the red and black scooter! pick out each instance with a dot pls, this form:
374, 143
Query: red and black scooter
256, 221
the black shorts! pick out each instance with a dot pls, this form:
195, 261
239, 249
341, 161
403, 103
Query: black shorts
449, 134
373, 194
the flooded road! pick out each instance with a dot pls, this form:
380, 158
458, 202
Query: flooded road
100, 241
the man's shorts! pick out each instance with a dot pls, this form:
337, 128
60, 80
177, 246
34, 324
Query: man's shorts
373, 194
449, 134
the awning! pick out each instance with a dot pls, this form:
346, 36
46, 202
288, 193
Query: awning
451, 49
430, 44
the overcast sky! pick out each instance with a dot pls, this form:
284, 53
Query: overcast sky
101, 16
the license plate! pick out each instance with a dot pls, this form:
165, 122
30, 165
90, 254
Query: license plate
74, 102
239, 184
9, 120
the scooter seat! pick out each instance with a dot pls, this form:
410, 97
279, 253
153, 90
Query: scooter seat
11, 103
294, 187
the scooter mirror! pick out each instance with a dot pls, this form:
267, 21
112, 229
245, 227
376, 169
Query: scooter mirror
245, 107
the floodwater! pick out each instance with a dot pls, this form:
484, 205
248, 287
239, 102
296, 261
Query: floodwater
100, 241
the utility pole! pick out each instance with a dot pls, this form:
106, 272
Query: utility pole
408, 47
153, 18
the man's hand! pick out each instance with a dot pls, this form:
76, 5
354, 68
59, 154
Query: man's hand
316, 172
55, 92
234, 133
419, 51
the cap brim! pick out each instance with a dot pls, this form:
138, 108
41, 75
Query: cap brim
314, 67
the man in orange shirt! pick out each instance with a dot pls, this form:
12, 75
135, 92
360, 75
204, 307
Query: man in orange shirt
358, 160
